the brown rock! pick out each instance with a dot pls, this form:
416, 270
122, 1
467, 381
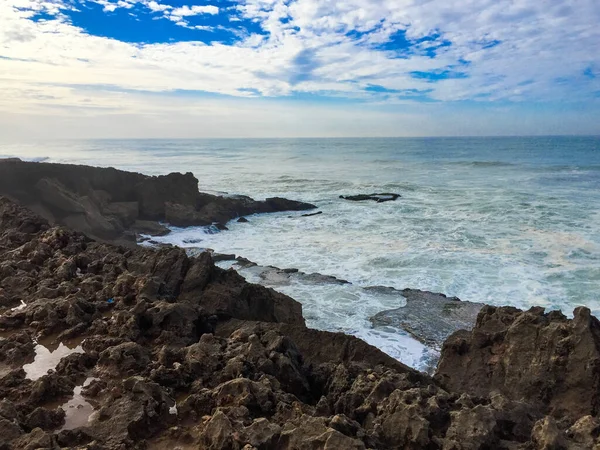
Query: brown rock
546, 360
218, 434
105, 203
547, 436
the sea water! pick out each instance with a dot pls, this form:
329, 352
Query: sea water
503, 221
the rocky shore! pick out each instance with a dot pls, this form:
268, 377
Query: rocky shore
115, 347
113, 205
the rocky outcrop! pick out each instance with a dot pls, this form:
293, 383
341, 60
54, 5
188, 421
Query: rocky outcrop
543, 359
178, 353
429, 317
379, 198
113, 205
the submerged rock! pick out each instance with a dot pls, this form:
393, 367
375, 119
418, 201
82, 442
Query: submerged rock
429, 317
379, 198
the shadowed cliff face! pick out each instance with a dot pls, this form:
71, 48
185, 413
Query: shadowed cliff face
163, 351
546, 360
111, 204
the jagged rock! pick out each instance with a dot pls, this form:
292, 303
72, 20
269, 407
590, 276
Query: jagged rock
9, 430
230, 296
585, 433
218, 433
46, 419
223, 257
311, 432
547, 436
546, 360
113, 205
181, 353
261, 433
149, 227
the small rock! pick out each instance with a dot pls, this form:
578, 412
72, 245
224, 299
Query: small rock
379, 198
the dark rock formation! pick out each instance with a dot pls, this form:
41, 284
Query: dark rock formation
112, 205
182, 354
274, 276
546, 360
379, 198
429, 317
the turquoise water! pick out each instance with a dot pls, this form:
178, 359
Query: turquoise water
495, 220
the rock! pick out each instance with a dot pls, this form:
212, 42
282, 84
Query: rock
58, 196
149, 227
547, 436
318, 346
313, 214
243, 220
185, 215
310, 432
379, 198
547, 360
323, 279
230, 296
218, 434
275, 204
431, 318
9, 430
223, 257
46, 419
179, 353
112, 205
127, 212
35, 440
585, 432
261, 433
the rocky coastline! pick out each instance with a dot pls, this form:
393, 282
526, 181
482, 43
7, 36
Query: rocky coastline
163, 350
113, 205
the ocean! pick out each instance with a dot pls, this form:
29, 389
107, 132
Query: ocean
503, 221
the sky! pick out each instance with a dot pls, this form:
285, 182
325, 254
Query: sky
298, 68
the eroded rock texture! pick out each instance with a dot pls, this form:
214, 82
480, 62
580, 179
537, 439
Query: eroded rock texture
178, 353
112, 205
545, 359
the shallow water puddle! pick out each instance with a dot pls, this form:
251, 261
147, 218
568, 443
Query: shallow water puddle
47, 359
78, 411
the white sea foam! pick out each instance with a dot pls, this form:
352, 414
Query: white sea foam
499, 221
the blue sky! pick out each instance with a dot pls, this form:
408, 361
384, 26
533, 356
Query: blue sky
183, 68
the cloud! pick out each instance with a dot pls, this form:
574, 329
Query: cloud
157, 7
440, 51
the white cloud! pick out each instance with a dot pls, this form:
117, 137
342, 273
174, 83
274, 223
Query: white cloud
541, 52
157, 7
195, 10
178, 15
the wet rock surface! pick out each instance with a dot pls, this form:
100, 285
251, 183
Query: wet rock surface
179, 353
379, 198
429, 317
113, 205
